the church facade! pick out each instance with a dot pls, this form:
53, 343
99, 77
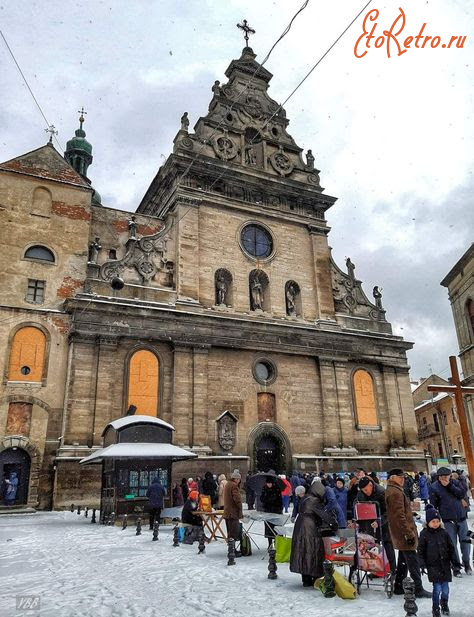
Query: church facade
216, 306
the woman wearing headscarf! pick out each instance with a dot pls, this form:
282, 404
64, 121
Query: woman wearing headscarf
307, 548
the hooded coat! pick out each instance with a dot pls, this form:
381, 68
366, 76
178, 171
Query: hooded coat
270, 498
436, 553
400, 518
156, 494
209, 486
307, 548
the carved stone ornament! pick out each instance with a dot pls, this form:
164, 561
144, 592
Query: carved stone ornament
141, 255
313, 178
186, 143
224, 147
281, 163
226, 430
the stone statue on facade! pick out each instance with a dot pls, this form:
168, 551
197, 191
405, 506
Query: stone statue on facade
291, 300
185, 122
309, 160
377, 293
250, 155
94, 248
350, 269
257, 294
216, 88
226, 431
132, 228
221, 289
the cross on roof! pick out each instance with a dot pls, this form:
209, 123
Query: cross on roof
52, 131
247, 30
81, 117
459, 390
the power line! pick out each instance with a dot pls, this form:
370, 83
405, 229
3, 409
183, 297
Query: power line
28, 86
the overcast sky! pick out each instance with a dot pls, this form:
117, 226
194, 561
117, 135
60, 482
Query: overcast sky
392, 137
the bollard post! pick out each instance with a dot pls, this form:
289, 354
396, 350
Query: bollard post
93, 516
86, 512
139, 527
202, 540
124, 522
231, 552
156, 526
112, 519
176, 535
329, 584
272, 566
409, 594
72, 507
79, 509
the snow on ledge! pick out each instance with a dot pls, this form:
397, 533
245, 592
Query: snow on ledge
139, 450
137, 419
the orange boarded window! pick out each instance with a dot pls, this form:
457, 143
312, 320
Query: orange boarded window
143, 374
27, 355
366, 411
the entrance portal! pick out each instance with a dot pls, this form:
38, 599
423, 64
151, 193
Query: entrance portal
16, 459
268, 454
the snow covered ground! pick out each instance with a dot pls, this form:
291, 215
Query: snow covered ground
77, 568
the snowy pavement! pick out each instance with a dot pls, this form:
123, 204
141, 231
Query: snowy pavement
76, 568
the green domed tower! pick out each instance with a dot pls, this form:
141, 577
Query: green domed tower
79, 154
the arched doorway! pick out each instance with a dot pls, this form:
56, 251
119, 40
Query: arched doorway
18, 460
268, 455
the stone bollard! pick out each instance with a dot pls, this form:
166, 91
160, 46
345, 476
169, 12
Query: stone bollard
272, 566
139, 527
231, 552
72, 507
156, 527
112, 519
409, 594
124, 522
93, 516
86, 512
202, 542
176, 536
79, 509
329, 584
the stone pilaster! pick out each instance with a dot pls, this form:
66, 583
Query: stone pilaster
344, 399
187, 248
79, 408
406, 406
108, 398
182, 395
200, 406
393, 402
331, 426
322, 273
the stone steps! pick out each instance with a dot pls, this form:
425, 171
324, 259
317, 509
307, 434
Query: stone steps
16, 510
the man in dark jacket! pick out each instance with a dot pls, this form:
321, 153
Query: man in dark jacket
155, 494
272, 502
369, 491
209, 487
447, 497
403, 533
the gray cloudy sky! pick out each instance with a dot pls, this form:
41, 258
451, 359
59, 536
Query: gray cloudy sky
392, 137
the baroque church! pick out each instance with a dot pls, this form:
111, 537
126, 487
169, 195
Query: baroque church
216, 307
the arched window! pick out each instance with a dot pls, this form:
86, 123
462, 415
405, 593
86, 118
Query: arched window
42, 199
470, 319
143, 382
39, 253
27, 355
364, 399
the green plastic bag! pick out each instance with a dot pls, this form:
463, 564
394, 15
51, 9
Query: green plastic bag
283, 549
344, 589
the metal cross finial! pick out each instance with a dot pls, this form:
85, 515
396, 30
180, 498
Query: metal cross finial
81, 117
247, 30
52, 131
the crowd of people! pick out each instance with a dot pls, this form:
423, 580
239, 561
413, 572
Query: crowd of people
323, 503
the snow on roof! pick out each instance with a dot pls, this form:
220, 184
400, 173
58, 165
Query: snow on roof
137, 419
435, 399
139, 450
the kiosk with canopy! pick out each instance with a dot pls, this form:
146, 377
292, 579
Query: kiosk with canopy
136, 450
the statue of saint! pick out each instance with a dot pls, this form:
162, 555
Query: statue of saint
309, 160
216, 88
377, 293
257, 294
290, 300
350, 269
250, 155
94, 248
132, 228
184, 122
221, 289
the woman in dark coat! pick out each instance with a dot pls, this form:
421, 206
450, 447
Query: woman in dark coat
177, 495
209, 487
271, 501
184, 488
307, 548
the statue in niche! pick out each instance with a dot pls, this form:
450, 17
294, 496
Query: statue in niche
221, 289
250, 155
291, 293
377, 293
309, 160
185, 122
112, 253
94, 248
257, 293
169, 265
226, 426
132, 228
216, 88
350, 269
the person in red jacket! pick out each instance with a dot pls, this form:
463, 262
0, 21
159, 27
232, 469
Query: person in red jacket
286, 493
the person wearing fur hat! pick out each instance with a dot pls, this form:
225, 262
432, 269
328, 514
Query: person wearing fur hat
436, 554
233, 505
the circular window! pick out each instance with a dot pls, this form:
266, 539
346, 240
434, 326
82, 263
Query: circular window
256, 241
25, 370
264, 371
